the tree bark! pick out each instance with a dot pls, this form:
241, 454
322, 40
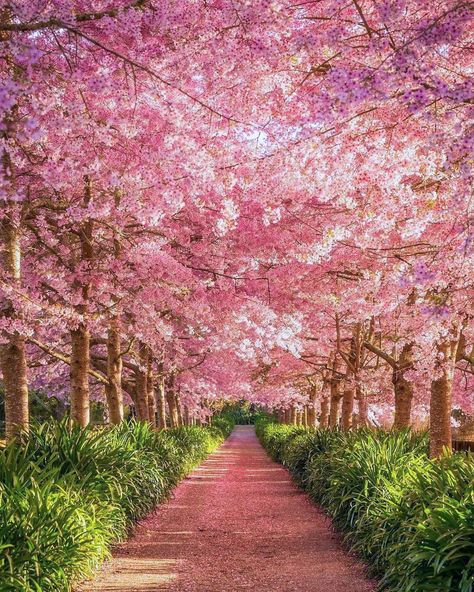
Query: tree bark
362, 416
13, 350
113, 390
403, 388
305, 416
336, 395
353, 365
347, 408
311, 416
441, 395
403, 400
173, 412
141, 384
13, 363
161, 403
150, 383
80, 336
187, 416
324, 417
299, 417
293, 416
334, 410
311, 413
179, 410
171, 400
79, 375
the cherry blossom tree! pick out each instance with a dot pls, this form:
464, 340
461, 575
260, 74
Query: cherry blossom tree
238, 200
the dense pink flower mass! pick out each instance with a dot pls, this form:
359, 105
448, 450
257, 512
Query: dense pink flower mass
259, 199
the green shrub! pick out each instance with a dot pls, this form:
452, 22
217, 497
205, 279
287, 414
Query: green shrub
224, 422
411, 518
241, 412
435, 547
275, 437
67, 494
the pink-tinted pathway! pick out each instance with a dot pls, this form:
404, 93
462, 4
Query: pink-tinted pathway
237, 523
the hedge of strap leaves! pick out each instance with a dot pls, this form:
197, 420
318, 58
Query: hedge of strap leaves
68, 494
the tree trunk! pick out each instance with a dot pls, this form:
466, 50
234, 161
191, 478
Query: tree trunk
173, 412
441, 394
13, 363
335, 402
186, 416
311, 413
13, 350
299, 417
113, 390
336, 394
362, 416
311, 416
179, 410
294, 417
80, 336
440, 416
171, 400
403, 389
141, 384
403, 400
161, 403
335, 410
305, 416
347, 408
324, 417
150, 384
79, 375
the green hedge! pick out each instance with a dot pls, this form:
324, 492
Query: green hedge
223, 422
69, 493
410, 518
241, 413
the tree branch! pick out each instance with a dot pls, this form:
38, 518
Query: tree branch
65, 359
79, 18
378, 352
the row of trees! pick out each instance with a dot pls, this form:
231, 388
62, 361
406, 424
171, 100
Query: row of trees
234, 199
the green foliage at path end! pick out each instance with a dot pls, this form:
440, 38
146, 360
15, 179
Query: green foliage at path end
240, 413
410, 518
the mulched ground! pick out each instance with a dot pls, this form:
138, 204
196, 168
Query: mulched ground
237, 523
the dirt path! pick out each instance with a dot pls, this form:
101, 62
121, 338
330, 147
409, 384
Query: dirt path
237, 523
